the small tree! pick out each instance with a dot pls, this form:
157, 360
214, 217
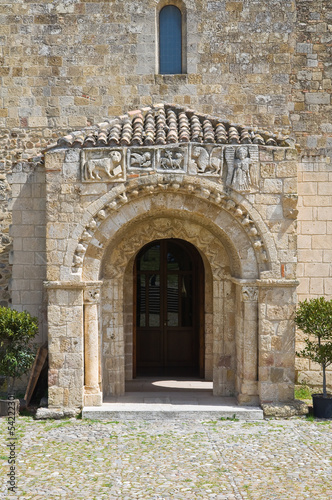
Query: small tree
314, 318
17, 354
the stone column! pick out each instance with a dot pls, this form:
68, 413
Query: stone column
247, 345
92, 393
219, 371
113, 337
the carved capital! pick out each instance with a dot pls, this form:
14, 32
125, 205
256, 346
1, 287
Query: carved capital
249, 294
91, 295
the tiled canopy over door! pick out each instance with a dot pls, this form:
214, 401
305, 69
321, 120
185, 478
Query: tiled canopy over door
166, 172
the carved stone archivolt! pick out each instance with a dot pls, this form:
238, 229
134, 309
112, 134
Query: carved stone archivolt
164, 227
161, 183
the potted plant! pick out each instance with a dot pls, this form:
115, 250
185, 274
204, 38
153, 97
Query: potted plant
314, 318
17, 329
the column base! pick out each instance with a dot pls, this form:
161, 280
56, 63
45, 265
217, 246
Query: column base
92, 396
248, 400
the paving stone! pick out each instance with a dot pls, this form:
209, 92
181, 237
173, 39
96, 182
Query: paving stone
211, 459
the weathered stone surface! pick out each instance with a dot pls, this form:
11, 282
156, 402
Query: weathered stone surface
266, 69
56, 413
285, 410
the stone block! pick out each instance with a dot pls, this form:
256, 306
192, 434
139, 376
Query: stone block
93, 399
287, 169
55, 397
317, 98
285, 410
272, 186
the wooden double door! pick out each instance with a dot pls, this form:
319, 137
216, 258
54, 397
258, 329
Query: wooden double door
169, 309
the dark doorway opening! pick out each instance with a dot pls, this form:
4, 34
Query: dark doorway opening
169, 303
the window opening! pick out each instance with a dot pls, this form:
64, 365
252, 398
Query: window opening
170, 40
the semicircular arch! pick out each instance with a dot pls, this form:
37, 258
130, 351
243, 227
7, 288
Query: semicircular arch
230, 215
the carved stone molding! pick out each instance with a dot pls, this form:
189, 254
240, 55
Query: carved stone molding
169, 183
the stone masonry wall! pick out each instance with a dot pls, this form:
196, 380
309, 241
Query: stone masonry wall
65, 64
312, 124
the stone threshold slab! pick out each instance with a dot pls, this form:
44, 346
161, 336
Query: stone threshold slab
166, 411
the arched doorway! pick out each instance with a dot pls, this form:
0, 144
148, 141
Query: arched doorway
169, 310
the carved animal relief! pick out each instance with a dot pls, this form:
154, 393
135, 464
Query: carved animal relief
206, 160
141, 158
105, 167
172, 159
202, 160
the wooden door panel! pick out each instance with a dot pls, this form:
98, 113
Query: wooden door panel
167, 308
180, 347
149, 347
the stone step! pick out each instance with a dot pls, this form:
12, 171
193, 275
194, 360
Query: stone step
174, 407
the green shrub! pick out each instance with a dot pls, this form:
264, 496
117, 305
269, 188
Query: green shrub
314, 318
302, 391
17, 354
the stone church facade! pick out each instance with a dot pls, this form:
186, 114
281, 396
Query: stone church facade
222, 172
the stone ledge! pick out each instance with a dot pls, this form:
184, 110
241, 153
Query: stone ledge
285, 410
56, 413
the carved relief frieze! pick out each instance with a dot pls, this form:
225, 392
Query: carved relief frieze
242, 168
141, 158
237, 166
172, 159
103, 165
205, 160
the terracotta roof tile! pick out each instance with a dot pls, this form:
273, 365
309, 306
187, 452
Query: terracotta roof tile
167, 124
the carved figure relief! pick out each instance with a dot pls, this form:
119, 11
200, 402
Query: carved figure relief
110, 168
206, 161
172, 159
141, 158
242, 167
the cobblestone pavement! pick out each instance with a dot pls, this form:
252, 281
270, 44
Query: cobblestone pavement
221, 460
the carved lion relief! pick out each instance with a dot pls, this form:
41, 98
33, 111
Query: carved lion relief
96, 166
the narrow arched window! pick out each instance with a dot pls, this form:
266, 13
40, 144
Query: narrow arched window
170, 40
